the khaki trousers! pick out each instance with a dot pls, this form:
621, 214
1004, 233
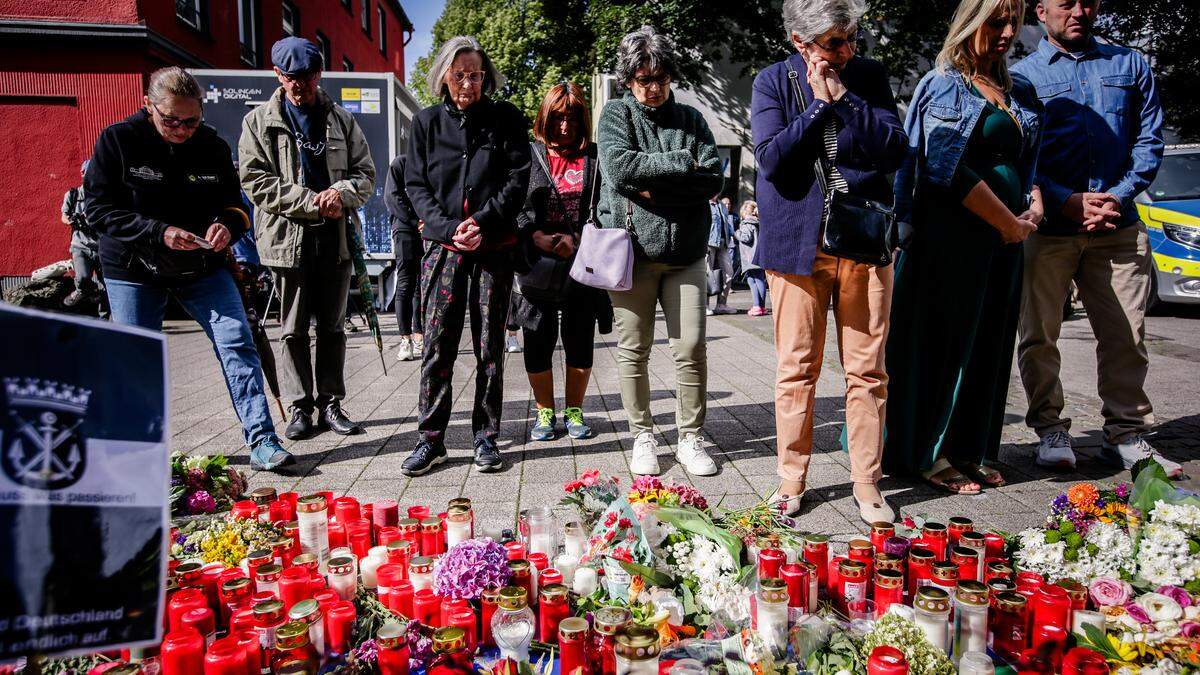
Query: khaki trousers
1112, 271
682, 292
861, 296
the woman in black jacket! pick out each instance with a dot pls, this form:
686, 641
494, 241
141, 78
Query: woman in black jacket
408, 251
467, 171
162, 193
563, 190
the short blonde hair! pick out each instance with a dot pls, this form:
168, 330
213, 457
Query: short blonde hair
749, 208
971, 15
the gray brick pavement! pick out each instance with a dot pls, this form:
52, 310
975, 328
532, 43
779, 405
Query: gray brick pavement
740, 426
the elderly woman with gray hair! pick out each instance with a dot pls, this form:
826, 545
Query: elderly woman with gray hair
466, 174
845, 112
660, 166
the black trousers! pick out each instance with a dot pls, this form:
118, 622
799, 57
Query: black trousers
408, 280
578, 321
456, 287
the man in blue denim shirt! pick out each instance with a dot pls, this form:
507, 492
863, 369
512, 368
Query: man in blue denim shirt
1102, 146
720, 234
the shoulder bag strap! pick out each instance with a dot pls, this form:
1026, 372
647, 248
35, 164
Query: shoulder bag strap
821, 167
629, 216
595, 186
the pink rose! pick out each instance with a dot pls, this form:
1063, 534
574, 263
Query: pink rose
1106, 591
1189, 629
1140, 615
589, 477
1177, 594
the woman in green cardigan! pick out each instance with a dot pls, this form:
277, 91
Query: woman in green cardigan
659, 161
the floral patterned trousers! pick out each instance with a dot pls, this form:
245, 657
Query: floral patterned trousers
456, 286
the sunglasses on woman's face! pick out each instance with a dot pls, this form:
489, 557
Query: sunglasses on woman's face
474, 76
648, 80
834, 44
172, 122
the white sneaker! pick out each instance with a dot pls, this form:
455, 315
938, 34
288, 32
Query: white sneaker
512, 346
645, 451
405, 351
1134, 450
692, 456
708, 311
1054, 452
418, 346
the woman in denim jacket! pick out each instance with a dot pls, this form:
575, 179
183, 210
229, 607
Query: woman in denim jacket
967, 188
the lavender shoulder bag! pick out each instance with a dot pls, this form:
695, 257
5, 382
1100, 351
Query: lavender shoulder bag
605, 256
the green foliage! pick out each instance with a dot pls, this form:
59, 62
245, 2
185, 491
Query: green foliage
692, 520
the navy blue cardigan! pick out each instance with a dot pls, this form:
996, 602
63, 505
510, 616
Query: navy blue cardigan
871, 144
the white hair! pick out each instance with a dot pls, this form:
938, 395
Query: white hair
645, 48
173, 81
436, 78
809, 19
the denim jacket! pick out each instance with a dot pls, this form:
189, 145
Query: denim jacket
941, 118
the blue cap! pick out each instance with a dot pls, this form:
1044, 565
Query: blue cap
294, 55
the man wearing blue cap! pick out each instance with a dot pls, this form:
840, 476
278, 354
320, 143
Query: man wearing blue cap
305, 164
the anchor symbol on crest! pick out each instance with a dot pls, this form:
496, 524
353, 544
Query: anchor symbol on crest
48, 452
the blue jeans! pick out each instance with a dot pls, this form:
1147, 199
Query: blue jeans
214, 302
758, 287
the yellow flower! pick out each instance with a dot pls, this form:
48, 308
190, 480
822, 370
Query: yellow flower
1126, 651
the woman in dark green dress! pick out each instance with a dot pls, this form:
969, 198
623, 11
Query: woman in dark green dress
967, 190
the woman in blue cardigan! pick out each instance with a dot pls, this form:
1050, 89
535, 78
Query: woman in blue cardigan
848, 114
967, 188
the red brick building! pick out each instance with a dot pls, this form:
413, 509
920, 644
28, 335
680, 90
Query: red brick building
68, 68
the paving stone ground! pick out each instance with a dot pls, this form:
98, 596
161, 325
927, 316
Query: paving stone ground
740, 425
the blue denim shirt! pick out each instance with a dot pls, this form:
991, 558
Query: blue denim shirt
1103, 126
720, 232
941, 117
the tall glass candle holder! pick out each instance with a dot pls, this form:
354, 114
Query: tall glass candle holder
513, 624
771, 613
970, 619
574, 540
458, 525
541, 538
637, 650
932, 607
314, 528
342, 579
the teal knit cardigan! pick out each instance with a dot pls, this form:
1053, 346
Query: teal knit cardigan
669, 152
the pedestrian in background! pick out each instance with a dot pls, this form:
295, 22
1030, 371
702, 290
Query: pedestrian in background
548, 303
735, 258
306, 167
163, 195
720, 266
466, 173
848, 114
85, 250
660, 167
408, 250
747, 237
967, 188
1102, 147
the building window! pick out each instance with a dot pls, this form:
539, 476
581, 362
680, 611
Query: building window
382, 29
191, 12
347, 65
291, 18
248, 31
366, 17
326, 50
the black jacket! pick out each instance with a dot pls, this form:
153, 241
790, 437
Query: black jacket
481, 155
400, 209
532, 217
137, 184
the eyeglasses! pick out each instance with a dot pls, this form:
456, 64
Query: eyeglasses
171, 122
647, 80
474, 76
303, 76
834, 44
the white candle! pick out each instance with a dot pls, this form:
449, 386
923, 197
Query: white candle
541, 542
566, 564
976, 663
584, 583
375, 557
1082, 617
935, 627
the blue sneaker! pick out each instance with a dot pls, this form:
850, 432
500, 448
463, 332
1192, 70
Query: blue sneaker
268, 455
543, 429
573, 417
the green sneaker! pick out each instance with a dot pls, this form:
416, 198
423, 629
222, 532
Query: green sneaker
573, 417
543, 429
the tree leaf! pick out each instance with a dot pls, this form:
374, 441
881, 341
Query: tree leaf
692, 520
654, 577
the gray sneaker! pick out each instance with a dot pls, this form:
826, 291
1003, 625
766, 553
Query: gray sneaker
268, 455
1133, 450
576, 427
1054, 452
543, 428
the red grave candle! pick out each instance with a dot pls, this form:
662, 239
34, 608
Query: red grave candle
202, 621
387, 576
464, 618
572, 644
889, 590
994, 545
920, 563
346, 510
225, 657
418, 512
795, 577
184, 600
210, 580
549, 576
816, 551
1050, 641
1051, 606
358, 533
385, 513
337, 535
426, 607
400, 599
887, 660
252, 648
488, 602
447, 607
393, 650
401, 553
1028, 583
340, 620
770, 560
182, 653
245, 509
935, 538
553, 607
294, 586
432, 541
880, 532
278, 511
387, 534
515, 550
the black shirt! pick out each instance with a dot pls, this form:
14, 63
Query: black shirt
308, 124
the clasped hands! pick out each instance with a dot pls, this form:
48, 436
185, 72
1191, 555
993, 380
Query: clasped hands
825, 82
561, 245
1094, 211
329, 203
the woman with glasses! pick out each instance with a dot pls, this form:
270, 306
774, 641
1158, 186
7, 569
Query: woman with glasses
967, 187
659, 165
162, 192
466, 174
824, 102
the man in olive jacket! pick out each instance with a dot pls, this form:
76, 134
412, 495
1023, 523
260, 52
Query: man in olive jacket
305, 165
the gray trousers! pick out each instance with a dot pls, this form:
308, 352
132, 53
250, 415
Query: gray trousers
316, 292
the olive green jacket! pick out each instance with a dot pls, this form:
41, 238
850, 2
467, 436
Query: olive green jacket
269, 169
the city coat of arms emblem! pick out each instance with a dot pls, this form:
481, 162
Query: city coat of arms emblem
41, 445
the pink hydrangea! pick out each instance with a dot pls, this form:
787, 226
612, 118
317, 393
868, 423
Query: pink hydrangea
201, 502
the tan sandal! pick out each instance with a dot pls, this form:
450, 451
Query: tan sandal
945, 477
982, 474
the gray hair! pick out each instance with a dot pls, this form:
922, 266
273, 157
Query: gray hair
173, 81
645, 48
809, 19
436, 78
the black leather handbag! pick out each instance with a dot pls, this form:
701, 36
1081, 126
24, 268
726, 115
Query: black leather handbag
852, 227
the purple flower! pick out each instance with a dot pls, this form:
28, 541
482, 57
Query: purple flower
1190, 629
469, 568
180, 538
201, 502
1137, 613
1061, 504
1177, 594
1122, 490
368, 651
420, 647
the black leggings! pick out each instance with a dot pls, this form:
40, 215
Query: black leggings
578, 335
408, 280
